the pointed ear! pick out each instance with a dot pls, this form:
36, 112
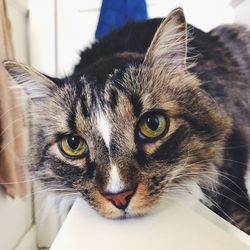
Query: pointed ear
169, 45
34, 84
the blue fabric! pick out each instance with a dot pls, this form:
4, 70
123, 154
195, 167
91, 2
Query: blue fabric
115, 13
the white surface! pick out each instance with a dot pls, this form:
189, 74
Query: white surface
15, 219
42, 35
17, 11
76, 24
242, 12
29, 240
175, 227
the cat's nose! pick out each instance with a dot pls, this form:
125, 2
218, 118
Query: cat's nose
120, 200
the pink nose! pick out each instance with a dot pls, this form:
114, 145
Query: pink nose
120, 200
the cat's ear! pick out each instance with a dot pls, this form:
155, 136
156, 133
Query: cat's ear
169, 45
34, 84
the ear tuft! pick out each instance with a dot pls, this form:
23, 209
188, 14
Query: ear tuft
35, 85
169, 45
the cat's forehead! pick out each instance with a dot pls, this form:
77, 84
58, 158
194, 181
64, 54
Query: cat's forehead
124, 95
89, 107
111, 106
118, 88
117, 79
114, 100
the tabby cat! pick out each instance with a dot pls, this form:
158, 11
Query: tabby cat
151, 108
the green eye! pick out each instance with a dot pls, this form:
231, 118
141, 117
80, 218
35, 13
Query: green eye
152, 126
73, 146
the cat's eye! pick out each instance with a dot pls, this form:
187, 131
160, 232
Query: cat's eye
73, 146
152, 126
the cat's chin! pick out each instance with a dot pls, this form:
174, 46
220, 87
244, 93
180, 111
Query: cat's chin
124, 215
127, 215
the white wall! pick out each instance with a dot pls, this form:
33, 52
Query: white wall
16, 215
242, 13
203, 14
76, 24
18, 11
42, 33
69, 26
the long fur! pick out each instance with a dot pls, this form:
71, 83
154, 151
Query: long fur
199, 81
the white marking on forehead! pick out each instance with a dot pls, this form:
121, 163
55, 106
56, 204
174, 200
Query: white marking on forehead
104, 127
115, 184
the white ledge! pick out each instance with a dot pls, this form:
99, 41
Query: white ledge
177, 226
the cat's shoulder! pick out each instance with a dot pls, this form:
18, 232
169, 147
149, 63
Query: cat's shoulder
135, 36
227, 33
236, 39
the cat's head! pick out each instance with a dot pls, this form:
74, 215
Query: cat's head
146, 131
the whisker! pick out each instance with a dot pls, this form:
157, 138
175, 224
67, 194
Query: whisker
223, 195
9, 125
6, 145
216, 205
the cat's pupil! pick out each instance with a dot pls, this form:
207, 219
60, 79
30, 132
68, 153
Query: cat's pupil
73, 142
153, 122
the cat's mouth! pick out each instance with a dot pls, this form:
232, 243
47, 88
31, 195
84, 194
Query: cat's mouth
124, 214
126, 205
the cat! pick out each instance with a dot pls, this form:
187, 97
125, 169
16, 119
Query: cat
153, 107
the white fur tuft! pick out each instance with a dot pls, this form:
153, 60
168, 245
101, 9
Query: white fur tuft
115, 184
104, 127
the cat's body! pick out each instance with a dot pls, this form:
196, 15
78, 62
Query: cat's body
222, 62
150, 122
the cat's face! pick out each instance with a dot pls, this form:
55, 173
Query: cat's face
147, 131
